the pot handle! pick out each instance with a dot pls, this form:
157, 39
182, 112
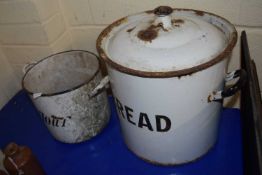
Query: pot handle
103, 84
218, 95
28, 66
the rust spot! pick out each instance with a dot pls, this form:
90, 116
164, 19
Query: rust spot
150, 33
160, 25
130, 30
209, 99
177, 21
155, 27
199, 13
147, 35
180, 76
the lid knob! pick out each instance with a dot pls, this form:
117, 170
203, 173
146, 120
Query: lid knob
163, 14
163, 11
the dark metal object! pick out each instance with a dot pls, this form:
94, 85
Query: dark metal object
229, 91
251, 114
241, 73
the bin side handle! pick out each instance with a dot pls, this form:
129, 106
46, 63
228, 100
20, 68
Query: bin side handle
103, 84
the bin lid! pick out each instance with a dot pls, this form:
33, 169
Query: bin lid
165, 41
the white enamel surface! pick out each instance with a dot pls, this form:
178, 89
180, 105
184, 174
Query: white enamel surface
84, 117
166, 22
187, 44
194, 120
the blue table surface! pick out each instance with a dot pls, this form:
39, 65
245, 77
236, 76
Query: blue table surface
106, 153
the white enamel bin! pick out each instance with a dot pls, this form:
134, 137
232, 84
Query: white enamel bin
167, 70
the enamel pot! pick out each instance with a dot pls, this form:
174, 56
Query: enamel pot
67, 90
167, 69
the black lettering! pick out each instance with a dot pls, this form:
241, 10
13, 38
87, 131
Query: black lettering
48, 120
167, 122
56, 120
129, 115
119, 108
53, 120
143, 117
64, 121
56, 123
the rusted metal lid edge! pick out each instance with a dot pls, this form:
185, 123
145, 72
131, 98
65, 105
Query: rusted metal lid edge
167, 74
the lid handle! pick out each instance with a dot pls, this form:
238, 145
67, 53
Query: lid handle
163, 11
163, 14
